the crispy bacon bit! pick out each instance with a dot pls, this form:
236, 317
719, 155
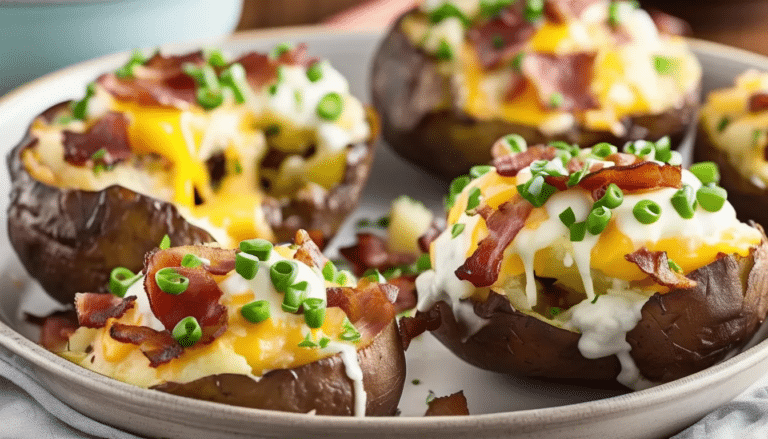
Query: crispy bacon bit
158, 346
669, 24
635, 177
509, 165
308, 252
435, 229
371, 251
656, 265
569, 76
482, 268
201, 298
56, 330
260, 69
110, 133
94, 309
558, 11
621, 159
368, 306
502, 37
160, 81
412, 327
451, 405
406, 292
758, 102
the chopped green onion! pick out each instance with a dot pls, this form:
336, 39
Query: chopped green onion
479, 170
307, 342
99, 155
647, 211
209, 98
706, 172
342, 277
191, 261
294, 296
424, 263
684, 202
664, 149
430, 397
246, 265
330, 106
120, 279
613, 197
604, 149
554, 311
711, 198
314, 312
723, 124
126, 71
272, 89
492, 8
80, 108
498, 42
272, 130
64, 120
457, 185
324, 342
641, 148
315, 72
578, 231
350, 333
261, 248
373, 274
445, 11
594, 301
673, 266
204, 76
474, 198
383, 222
515, 142
187, 332
329, 271
256, 312
614, 16
517, 62
170, 281
393, 272
416, 382
666, 65
283, 273
577, 176
216, 58
567, 217
456, 230
598, 219
234, 78
534, 9
165, 243
444, 51
536, 191
280, 49
556, 100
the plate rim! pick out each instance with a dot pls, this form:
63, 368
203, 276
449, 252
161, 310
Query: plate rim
19, 345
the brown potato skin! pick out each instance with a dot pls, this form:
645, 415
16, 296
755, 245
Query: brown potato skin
322, 386
680, 332
749, 201
69, 240
421, 124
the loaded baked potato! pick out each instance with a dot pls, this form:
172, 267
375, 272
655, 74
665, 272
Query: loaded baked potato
193, 146
452, 76
592, 264
732, 134
264, 327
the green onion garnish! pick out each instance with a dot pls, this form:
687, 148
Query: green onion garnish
578, 231
684, 202
598, 219
492, 8
711, 198
594, 301
294, 296
664, 149
165, 243
647, 211
126, 71
80, 108
517, 62
536, 190
350, 332
307, 342
479, 170
457, 185
613, 197
567, 217
445, 11
234, 78
373, 274
314, 312
329, 271
209, 98
120, 279
666, 65
255, 312
191, 261
280, 49
723, 124
261, 248
342, 277
614, 17
498, 42
474, 198
556, 100
604, 149
330, 106
315, 72
170, 281
187, 332
516, 143
706, 172
534, 9
641, 148
216, 58
554, 311
673, 266
324, 342
99, 155
416, 382
424, 263
444, 51
283, 273
246, 265
577, 176
456, 230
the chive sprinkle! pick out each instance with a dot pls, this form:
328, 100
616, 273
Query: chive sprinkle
456, 230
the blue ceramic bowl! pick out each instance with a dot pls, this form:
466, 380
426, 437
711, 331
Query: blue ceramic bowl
37, 37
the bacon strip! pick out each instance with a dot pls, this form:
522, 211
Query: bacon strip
412, 327
656, 265
559, 11
56, 330
758, 102
260, 70
635, 177
110, 132
94, 309
369, 306
158, 346
406, 292
371, 251
435, 229
570, 76
308, 252
451, 405
502, 37
483, 267
509, 165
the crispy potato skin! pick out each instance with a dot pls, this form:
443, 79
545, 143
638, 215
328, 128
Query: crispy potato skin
750, 201
70, 240
421, 124
680, 333
322, 386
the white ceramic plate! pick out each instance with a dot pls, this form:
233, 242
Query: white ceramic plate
501, 406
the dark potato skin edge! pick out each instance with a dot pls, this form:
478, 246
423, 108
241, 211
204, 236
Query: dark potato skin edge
412, 99
680, 333
749, 201
69, 240
322, 386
